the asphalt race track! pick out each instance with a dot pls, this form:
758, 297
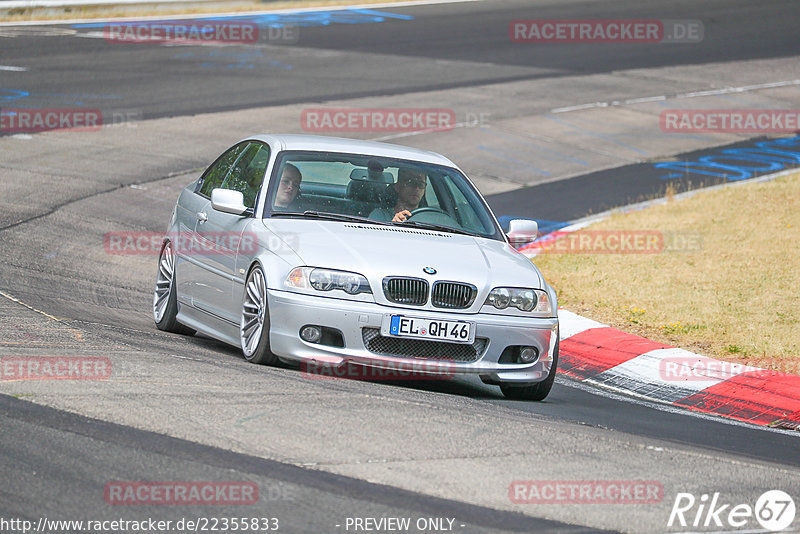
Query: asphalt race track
547, 131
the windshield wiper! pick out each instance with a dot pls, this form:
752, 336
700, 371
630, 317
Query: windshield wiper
356, 218
437, 227
329, 216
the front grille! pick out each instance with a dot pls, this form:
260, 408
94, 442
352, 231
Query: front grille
422, 348
413, 291
453, 295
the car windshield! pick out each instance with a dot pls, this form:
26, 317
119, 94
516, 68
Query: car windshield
376, 189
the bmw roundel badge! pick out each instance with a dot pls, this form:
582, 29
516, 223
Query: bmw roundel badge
429, 270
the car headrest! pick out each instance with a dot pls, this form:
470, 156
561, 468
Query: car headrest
365, 191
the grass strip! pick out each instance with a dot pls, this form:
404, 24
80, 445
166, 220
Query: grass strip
725, 281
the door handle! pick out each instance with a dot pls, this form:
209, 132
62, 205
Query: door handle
201, 216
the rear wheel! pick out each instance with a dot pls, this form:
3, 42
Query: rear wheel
165, 299
534, 392
254, 327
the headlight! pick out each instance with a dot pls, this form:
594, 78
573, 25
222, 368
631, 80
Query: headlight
499, 297
327, 280
524, 299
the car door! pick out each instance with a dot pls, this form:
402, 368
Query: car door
190, 271
220, 235
183, 240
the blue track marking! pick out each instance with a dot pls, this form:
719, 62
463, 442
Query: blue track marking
12, 94
279, 20
734, 164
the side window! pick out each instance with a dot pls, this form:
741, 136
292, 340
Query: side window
247, 174
216, 174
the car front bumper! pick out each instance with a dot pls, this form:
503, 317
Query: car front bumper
289, 312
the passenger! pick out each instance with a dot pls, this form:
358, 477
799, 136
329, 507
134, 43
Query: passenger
288, 188
253, 178
410, 189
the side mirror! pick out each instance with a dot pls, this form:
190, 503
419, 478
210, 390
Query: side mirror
228, 201
522, 231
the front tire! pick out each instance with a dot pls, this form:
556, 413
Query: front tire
254, 326
165, 295
534, 392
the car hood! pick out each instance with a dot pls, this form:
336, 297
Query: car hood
377, 251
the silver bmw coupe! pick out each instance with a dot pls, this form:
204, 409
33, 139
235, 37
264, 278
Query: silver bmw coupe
336, 252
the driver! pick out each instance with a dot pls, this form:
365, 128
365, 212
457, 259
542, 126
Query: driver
410, 188
288, 188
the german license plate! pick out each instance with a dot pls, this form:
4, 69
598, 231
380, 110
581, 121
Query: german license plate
433, 329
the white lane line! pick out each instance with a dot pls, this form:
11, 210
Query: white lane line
579, 107
695, 94
645, 99
743, 89
13, 69
14, 299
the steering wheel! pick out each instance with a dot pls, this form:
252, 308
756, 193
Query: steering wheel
428, 209
433, 216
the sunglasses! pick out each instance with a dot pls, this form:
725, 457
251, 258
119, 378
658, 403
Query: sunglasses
420, 184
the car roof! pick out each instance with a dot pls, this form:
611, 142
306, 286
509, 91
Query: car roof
319, 143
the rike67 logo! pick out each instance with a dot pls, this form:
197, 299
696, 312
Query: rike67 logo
774, 510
